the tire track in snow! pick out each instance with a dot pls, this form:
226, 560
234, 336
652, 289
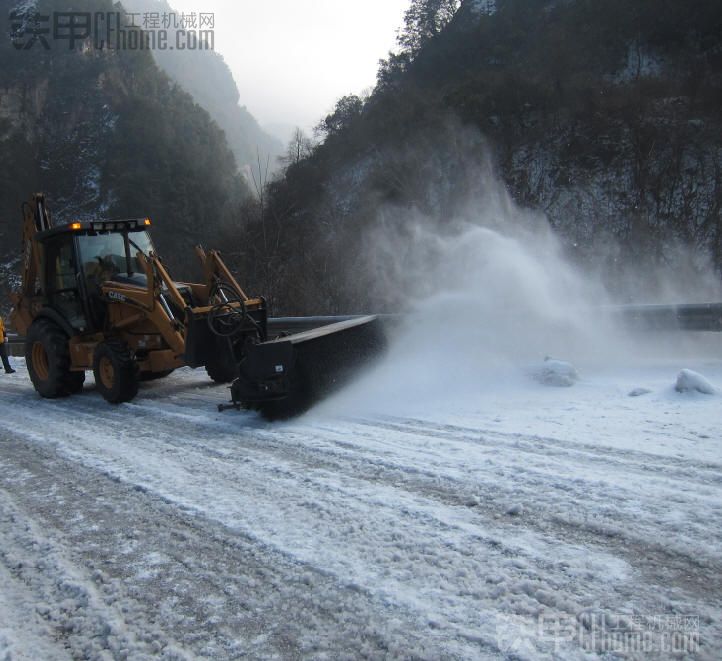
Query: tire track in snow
678, 468
526, 483
697, 570
60, 610
220, 592
363, 465
269, 491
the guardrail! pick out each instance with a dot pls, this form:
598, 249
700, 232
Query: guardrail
683, 317
706, 317
16, 345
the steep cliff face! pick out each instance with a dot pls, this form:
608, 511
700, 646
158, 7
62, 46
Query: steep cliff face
106, 133
604, 116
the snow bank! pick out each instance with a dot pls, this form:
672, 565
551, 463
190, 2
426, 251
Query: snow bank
689, 380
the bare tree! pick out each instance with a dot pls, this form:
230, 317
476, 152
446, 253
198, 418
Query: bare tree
299, 148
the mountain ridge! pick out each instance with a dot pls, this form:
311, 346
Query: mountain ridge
603, 116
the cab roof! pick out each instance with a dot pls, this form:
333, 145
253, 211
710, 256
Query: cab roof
95, 226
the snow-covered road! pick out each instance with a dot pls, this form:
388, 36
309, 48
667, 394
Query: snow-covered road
537, 522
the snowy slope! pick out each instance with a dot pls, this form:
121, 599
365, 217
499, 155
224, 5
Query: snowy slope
526, 522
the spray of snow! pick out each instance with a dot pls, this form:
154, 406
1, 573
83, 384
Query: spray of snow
494, 297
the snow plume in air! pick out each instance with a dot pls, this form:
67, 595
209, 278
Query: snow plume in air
487, 291
491, 296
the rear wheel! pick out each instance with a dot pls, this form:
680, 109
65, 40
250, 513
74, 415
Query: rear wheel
116, 372
47, 356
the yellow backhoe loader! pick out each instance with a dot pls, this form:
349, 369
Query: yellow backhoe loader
96, 296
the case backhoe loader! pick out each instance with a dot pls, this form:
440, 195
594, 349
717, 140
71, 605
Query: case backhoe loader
96, 296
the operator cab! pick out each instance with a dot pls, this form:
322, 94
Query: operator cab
113, 256
81, 256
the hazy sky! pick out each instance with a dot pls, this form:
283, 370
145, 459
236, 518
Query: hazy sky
293, 58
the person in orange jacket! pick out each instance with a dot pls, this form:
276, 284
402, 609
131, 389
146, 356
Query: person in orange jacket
3, 349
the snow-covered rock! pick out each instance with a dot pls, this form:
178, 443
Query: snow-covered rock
638, 392
689, 380
556, 373
515, 509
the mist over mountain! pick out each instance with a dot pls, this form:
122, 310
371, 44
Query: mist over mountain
105, 133
604, 116
206, 76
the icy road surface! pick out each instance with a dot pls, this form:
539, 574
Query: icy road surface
539, 522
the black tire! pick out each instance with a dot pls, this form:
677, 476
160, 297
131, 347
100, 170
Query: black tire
116, 372
153, 376
222, 367
47, 356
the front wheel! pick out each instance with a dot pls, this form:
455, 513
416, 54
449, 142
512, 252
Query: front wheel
116, 372
221, 365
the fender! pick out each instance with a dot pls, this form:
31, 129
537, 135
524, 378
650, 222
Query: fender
49, 313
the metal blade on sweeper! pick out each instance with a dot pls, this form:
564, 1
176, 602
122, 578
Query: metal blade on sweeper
288, 375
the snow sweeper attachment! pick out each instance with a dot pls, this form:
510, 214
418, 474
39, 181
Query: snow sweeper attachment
285, 376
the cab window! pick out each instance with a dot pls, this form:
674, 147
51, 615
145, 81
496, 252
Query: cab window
103, 255
62, 282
